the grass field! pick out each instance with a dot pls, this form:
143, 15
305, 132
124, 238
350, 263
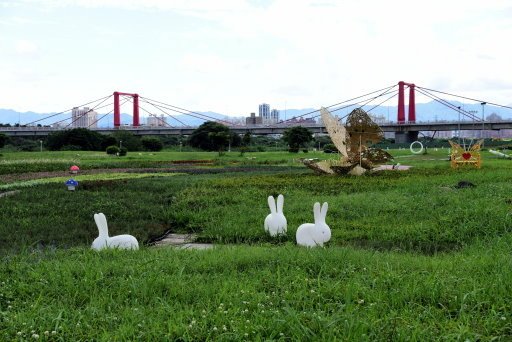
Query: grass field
412, 257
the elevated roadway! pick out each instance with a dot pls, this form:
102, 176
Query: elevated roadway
406, 128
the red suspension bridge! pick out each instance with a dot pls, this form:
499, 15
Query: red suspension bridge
406, 129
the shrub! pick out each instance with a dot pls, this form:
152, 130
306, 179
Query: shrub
3, 139
70, 148
293, 150
123, 151
330, 148
113, 149
152, 144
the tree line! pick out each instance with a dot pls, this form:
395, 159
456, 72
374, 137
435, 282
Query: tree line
210, 136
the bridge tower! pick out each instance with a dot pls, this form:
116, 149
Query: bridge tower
401, 103
409, 136
117, 109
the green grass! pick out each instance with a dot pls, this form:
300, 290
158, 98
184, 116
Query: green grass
411, 256
21, 162
258, 293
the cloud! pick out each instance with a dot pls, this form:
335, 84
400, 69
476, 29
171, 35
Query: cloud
26, 48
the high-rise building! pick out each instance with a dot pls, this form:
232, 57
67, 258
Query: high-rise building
156, 121
253, 120
84, 117
264, 112
274, 116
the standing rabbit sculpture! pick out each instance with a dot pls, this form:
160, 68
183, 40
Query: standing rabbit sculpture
104, 241
315, 234
275, 222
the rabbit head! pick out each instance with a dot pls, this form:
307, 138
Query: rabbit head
322, 230
275, 222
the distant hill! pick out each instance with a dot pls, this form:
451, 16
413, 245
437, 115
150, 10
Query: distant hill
430, 111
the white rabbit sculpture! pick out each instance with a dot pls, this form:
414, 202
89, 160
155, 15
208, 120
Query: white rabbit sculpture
104, 241
315, 234
275, 222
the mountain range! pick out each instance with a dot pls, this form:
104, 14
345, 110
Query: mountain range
430, 111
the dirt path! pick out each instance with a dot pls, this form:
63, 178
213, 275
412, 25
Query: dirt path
9, 178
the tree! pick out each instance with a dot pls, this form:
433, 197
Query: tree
297, 137
128, 140
108, 140
81, 138
246, 140
210, 136
152, 144
3, 139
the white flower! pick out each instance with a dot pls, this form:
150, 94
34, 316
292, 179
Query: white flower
35, 336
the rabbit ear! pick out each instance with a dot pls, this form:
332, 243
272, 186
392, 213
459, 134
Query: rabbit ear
323, 211
97, 220
316, 211
280, 202
103, 220
272, 204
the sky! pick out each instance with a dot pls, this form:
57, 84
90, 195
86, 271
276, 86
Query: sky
228, 56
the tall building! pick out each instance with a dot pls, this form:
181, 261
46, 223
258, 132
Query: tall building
253, 120
264, 112
274, 116
156, 121
84, 117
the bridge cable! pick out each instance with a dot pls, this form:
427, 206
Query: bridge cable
164, 112
387, 91
463, 97
182, 109
379, 104
107, 105
155, 116
449, 105
88, 111
178, 111
49, 116
337, 104
66, 119
106, 114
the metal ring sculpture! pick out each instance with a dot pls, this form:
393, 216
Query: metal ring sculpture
413, 151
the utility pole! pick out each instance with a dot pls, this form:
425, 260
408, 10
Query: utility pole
459, 124
483, 119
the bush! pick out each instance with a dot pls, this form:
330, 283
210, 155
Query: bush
152, 144
293, 150
112, 150
87, 140
3, 139
70, 148
305, 150
123, 151
330, 148
108, 140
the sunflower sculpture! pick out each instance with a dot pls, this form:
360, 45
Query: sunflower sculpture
352, 143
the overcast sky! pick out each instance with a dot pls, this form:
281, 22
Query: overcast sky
228, 56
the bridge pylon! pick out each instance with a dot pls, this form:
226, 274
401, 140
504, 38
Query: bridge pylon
401, 103
117, 109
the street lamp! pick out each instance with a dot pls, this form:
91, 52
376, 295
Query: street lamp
459, 123
483, 117
120, 144
41, 145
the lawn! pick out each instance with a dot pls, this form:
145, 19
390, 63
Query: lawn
412, 257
